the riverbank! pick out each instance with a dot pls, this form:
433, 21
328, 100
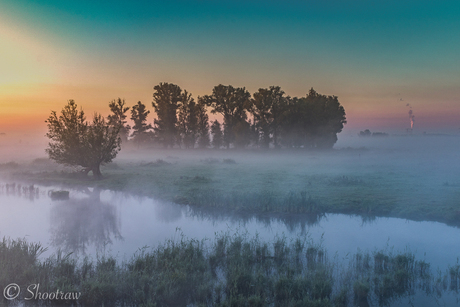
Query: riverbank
354, 181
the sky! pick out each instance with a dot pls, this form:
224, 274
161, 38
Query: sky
381, 58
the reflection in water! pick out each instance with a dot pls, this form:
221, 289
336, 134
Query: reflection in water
13, 189
368, 219
291, 221
78, 223
91, 222
168, 212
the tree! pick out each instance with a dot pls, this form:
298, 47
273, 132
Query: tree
187, 124
328, 119
296, 122
167, 98
203, 124
241, 133
217, 136
365, 133
254, 134
139, 117
232, 103
118, 117
312, 121
76, 142
267, 108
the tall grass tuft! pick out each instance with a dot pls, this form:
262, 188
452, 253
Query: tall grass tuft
230, 270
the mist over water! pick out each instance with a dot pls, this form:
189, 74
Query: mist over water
94, 222
415, 174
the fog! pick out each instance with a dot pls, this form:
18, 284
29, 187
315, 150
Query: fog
418, 167
22, 147
395, 192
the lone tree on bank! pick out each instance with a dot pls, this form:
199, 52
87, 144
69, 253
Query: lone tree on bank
76, 142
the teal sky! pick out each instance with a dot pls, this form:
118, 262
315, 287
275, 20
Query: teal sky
371, 54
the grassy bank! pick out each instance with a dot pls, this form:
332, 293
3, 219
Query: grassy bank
361, 182
229, 270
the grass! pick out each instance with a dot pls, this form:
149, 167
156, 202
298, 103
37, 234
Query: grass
368, 184
229, 270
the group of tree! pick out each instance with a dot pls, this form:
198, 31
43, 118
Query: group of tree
268, 118
368, 133
180, 120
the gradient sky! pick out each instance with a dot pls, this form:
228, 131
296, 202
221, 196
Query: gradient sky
376, 56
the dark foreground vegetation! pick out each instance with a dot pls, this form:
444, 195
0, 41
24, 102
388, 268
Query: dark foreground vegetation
229, 270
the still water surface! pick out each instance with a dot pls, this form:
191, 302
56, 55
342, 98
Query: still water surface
95, 222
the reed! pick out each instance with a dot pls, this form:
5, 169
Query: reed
229, 270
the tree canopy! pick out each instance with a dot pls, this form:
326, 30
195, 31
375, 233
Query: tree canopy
187, 124
217, 136
232, 103
76, 142
140, 129
203, 125
268, 106
268, 118
167, 98
312, 121
118, 117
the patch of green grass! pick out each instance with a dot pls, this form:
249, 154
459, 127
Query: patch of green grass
291, 182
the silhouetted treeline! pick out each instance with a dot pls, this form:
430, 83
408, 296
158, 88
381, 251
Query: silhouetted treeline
268, 118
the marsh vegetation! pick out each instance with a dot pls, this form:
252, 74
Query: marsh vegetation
228, 270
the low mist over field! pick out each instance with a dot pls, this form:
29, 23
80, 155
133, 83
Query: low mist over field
402, 150
22, 147
412, 176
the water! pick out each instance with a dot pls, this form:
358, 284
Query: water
95, 222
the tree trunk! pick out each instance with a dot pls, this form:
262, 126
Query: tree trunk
97, 171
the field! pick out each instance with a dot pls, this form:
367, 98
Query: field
408, 177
